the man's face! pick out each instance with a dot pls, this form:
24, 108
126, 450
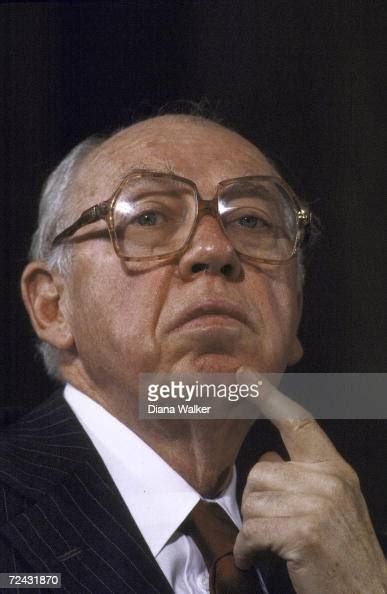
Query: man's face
207, 310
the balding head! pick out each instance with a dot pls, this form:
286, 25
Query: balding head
179, 143
193, 148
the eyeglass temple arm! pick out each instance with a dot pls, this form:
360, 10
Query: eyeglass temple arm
304, 216
90, 215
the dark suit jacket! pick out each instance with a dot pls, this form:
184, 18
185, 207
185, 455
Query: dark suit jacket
60, 511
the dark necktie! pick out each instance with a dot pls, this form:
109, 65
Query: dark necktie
214, 534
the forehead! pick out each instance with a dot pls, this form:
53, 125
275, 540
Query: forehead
200, 150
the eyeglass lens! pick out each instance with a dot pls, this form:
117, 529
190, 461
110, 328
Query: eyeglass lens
154, 216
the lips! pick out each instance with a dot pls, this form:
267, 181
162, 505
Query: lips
218, 307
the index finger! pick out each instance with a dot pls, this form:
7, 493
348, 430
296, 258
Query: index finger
302, 435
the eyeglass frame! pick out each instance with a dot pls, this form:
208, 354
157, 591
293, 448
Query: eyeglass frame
104, 211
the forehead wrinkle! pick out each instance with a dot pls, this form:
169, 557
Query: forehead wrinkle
130, 145
161, 167
109, 163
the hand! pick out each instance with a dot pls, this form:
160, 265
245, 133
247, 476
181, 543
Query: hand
310, 511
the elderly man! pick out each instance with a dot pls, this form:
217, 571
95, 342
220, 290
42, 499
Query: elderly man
172, 246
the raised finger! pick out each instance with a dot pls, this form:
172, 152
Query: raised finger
303, 437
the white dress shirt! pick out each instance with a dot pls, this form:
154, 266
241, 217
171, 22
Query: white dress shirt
158, 498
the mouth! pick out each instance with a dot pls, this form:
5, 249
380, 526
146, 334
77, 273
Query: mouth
217, 312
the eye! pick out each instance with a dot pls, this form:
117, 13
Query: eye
253, 222
250, 221
148, 219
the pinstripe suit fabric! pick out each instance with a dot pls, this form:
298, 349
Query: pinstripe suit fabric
61, 512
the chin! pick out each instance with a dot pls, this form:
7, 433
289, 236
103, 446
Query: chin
216, 363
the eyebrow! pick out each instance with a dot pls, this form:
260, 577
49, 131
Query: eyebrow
143, 165
167, 167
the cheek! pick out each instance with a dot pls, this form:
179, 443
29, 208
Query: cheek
284, 301
277, 299
117, 315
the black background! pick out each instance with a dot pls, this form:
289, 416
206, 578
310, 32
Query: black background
304, 80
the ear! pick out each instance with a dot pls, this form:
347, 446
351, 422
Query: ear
43, 296
296, 351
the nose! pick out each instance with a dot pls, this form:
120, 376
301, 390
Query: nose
209, 252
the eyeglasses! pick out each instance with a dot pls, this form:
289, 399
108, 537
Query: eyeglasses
154, 215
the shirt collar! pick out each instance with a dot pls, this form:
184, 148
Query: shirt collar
158, 498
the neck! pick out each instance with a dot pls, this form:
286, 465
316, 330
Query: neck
202, 452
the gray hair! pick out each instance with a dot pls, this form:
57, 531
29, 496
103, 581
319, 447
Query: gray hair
55, 215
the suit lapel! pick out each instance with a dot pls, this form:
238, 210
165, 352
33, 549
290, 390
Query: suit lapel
75, 521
